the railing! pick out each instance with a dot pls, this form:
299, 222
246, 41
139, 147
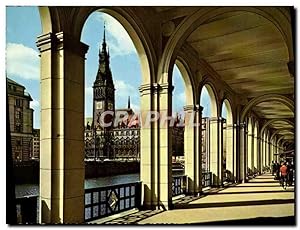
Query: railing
206, 179
109, 200
179, 185
26, 210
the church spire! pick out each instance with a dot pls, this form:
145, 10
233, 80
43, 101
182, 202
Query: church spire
104, 72
104, 32
104, 40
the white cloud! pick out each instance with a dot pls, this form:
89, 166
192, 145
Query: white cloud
22, 61
181, 98
121, 44
35, 104
135, 108
89, 91
123, 89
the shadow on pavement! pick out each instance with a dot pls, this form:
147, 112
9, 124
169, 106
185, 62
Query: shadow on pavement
234, 203
289, 220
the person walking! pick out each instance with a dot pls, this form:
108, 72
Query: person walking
283, 175
290, 174
277, 169
273, 168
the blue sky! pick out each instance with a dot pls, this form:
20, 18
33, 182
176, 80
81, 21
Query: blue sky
22, 61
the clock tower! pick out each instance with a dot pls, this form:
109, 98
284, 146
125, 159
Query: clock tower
104, 90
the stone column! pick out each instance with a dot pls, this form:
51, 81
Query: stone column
192, 148
267, 152
62, 129
148, 142
221, 150
259, 155
230, 161
273, 151
235, 152
216, 157
165, 148
270, 152
242, 157
255, 153
277, 151
263, 152
250, 151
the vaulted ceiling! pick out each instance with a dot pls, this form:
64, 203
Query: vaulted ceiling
249, 53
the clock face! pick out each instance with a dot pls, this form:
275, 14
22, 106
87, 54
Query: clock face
99, 105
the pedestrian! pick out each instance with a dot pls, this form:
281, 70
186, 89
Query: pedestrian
290, 174
277, 168
283, 175
273, 168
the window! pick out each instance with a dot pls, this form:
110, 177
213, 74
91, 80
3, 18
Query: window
18, 115
18, 144
18, 128
18, 157
18, 102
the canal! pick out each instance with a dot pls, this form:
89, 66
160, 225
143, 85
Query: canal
33, 189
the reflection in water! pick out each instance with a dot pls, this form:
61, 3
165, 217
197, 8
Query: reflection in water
111, 180
33, 189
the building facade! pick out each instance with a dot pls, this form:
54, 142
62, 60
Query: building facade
35, 155
20, 120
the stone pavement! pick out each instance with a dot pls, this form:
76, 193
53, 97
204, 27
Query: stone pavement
260, 201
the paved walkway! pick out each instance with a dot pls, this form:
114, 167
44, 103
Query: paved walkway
260, 201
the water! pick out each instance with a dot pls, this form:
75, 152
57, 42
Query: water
33, 189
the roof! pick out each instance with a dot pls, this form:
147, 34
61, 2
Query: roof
14, 83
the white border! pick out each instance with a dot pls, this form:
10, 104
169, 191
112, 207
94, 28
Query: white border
5, 3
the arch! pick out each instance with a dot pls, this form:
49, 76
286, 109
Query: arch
267, 97
227, 104
213, 98
249, 145
189, 24
186, 75
273, 121
255, 131
255, 147
135, 31
278, 131
279, 139
250, 124
285, 141
46, 20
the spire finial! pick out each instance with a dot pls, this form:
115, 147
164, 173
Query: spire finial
104, 32
128, 102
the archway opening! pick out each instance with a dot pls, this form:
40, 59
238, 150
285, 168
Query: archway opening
249, 144
211, 162
178, 103
115, 68
255, 149
228, 143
